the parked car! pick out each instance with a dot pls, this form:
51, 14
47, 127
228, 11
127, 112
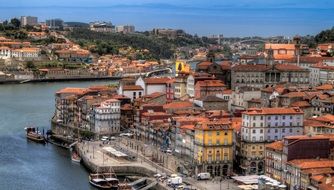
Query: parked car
104, 138
203, 176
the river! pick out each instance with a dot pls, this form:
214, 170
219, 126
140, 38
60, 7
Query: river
27, 165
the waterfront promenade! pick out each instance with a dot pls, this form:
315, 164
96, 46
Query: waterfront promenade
94, 156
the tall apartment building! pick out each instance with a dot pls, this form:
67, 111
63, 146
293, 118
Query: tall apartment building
261, 126
125, 29
213, 150
107, 117
55, 24
29, 20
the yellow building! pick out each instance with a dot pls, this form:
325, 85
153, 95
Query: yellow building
181, 67
214, 147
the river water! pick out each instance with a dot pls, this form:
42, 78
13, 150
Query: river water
27, 165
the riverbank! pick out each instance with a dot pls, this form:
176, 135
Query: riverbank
21, 81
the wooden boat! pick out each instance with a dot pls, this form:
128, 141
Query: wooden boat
34, 135
99, 181
75, 157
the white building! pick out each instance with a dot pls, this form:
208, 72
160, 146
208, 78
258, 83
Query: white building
240, 96
131, 91
151, 85
261, 126
269, 124
125, 29
29, 20
5, 52
23, 53
107, 117
191, 86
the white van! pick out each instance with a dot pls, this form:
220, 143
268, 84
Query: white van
203, 176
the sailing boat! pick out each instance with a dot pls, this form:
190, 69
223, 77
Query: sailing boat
99, 181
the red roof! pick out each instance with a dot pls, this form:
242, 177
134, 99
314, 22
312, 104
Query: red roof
132, 88
251, 68
273, 111
278, 146
153, 81
178, 105
288, 67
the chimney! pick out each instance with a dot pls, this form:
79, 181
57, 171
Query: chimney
329, 179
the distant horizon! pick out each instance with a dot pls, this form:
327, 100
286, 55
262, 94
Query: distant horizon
232, 18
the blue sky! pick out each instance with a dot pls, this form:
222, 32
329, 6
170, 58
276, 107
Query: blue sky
228, 17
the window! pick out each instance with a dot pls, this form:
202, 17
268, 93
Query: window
225, 133
134, 94
276, 130
253, 147
253, 124
218, 133
139, 94
217, 142
254, 131
283, 130
276, 117
290, 130
261, 117
261, 131
269, 118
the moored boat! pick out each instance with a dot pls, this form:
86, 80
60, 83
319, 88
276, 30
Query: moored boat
99, 181
33, 135
75, 157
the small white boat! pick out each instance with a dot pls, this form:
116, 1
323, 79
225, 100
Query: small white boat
75, 157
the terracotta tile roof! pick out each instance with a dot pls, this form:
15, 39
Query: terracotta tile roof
72, 91
153, 81
188, 127
210, 83
329, 100
294, 94
279, 46
325, 87
313, 123
318, 171
312, 163
278, 146
227, 91
147, 114
328, 118
317, 178
301, 104
178, 105
273, 111
204, 64
132, 88
226, 65
119, 96
218, 124
288, 67
251, 68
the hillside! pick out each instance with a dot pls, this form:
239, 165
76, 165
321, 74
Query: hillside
158, 47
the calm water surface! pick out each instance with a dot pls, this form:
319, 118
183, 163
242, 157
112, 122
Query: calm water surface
27, 165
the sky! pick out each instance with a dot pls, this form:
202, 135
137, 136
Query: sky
202, 17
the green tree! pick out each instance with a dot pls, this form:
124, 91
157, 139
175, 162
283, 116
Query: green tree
30, 65
15, 22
